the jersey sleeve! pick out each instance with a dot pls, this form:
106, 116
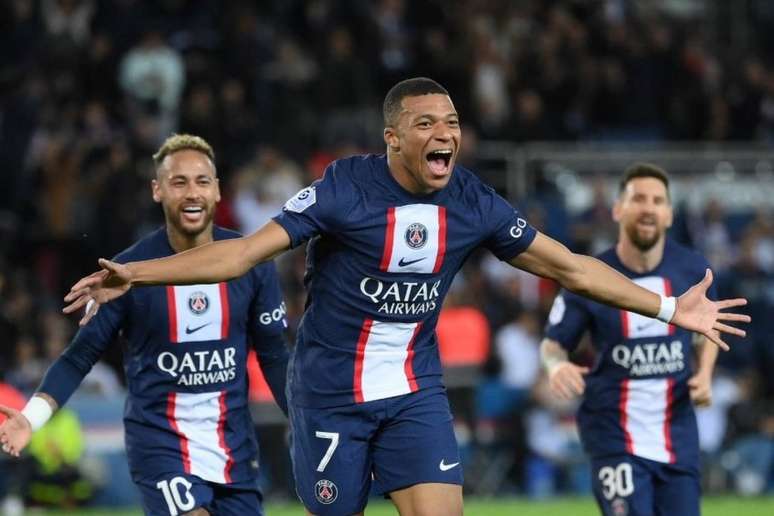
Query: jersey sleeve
317, 208
509, 233
568, 320
67, 372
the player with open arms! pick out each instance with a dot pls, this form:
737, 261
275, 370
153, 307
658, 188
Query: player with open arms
386, 235
636, 420
189, 437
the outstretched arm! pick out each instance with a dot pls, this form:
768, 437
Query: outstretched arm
16, 431
565, 379
592, 278
210, 263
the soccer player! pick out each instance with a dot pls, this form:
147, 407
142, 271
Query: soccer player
189, 436
386, 235
636, 419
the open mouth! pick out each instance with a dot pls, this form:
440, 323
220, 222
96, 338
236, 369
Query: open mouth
193, 213
438, 160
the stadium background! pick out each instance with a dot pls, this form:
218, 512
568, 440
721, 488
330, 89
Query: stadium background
556, 98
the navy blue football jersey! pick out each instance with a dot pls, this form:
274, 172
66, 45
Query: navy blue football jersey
637, 399
187, 404
379, 263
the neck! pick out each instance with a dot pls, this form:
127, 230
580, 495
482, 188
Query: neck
637, 260
181, 242
403, 177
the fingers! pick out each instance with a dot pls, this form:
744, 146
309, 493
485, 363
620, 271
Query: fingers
7, 411
77, 302
708, 277
92, 307
723, 316
730, 303
714, 336
725, 328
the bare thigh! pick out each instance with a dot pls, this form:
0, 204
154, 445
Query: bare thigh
429, 500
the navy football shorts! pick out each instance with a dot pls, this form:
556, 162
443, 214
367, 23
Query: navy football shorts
626, 485
397, 442
175, 494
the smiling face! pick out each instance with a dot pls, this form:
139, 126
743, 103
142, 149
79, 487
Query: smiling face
644, 212
423, 143
187, 188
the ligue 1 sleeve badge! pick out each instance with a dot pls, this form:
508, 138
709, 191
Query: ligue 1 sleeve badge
326, 491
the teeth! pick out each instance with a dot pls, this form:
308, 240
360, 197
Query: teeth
192, 210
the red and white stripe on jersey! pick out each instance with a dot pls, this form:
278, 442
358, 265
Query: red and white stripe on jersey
423, 255
198, 312
384, 360
199, 419
646, 418
635, 326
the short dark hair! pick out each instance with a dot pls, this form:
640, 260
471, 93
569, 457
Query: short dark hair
408, 88
643, 170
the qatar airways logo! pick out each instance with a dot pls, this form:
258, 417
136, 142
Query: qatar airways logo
650, 359
401, 297
200, 367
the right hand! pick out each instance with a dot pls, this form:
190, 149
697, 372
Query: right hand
15, 432
114, 280
565, 380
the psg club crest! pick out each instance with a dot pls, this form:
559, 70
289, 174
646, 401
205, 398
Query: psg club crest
198, 303
416, 235
620, 507
326, 491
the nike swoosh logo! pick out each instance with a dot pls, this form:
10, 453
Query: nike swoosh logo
446, 467
403, 262
189, 331
641, 327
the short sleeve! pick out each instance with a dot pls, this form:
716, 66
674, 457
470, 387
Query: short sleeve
315, 209
268, 314
509, 233
568, 320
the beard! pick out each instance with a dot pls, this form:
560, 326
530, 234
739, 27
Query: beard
642, 242
187, 229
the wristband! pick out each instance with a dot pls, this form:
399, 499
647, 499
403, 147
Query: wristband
668, 308
38, 412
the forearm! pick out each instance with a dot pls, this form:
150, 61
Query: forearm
211, 263
706, 355
272, 354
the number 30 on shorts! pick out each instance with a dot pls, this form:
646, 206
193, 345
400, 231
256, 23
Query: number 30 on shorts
617, 481
334, 438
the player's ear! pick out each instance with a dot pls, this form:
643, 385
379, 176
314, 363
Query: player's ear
617, 210
670, 217
217, 190
391, 139
156, 190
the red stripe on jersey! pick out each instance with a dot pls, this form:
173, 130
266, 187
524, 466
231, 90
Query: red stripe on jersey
224, 315
622, 411
441, 239
173, 423
408, 365
172, 311
222, 436
360, 357
625, 324
670, 398
667, 293
389, 235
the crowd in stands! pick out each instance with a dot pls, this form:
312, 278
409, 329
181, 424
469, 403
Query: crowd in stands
89, 89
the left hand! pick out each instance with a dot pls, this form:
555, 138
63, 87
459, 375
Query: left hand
697, 313
700, 388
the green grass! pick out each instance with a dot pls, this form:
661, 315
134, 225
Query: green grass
711, 506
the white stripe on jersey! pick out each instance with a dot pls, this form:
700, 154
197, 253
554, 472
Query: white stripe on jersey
646, 418
416, 239
198, 312
199, 420
383, 365
637, 326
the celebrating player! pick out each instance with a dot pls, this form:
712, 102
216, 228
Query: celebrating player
386, 235
636, 419
189, 437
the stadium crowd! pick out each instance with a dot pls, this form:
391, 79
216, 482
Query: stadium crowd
88, 89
